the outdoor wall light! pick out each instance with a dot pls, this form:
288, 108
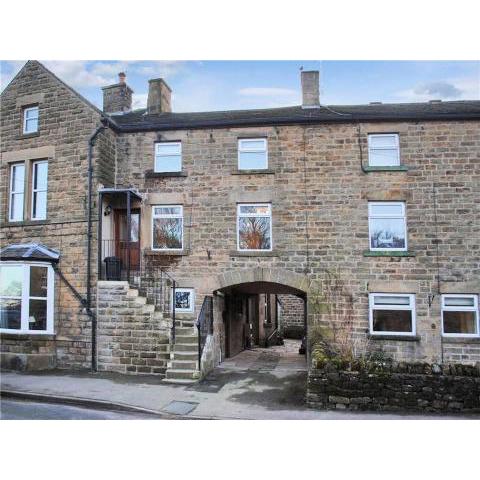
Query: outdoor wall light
108, 210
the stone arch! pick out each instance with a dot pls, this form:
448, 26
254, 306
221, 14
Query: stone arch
279, 276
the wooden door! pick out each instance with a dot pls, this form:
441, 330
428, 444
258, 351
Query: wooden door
121, 238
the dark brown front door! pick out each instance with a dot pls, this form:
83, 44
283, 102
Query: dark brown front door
121, 237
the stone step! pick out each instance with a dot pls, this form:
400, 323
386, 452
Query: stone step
183, 347
184, 365
186, 331
191, 356
186, 339
180, 373
132, 293
184, 323
148, 308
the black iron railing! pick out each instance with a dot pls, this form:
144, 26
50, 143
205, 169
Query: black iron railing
204, 325
153, 282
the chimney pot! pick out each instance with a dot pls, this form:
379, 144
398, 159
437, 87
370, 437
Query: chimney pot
310, 89
121, 77
159, 96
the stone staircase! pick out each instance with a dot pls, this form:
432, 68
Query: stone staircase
133, 337
183, 364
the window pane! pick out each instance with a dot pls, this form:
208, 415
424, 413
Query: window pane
38, 281
167, 233
252, 160
182, 300
16, 208
40, 176
459, 322
168, 148
383, 158
255, 209
31, 113
18, 178
168, 210
10, 313
386, 209
459, 302
31, 125
383, 141
387, 233
381, 300
392, 321
40, 205
254, 233
252, 144
168, 163
11, 279
37, 319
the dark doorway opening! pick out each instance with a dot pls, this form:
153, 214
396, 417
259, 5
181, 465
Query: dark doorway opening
253, 315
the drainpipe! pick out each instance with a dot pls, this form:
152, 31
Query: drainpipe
88, 306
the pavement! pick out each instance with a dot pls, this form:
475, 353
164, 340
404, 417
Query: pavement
259, 384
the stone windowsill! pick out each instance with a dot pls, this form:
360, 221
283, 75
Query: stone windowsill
170, 253
246, 253
263, 171
152, 174
460, 339
24, 136
404, 338
25, 223
26, 336
396, 168
388, 253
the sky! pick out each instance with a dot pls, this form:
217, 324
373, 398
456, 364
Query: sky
226, 85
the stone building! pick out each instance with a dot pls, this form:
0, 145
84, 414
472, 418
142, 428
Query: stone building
362, 219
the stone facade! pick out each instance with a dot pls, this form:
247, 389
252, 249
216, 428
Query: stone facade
66, 122
319, 196
404, 387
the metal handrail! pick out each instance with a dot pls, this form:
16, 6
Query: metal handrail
204, 325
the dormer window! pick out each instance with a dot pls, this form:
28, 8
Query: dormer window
30, 120
383, 150
168, 157
252, 154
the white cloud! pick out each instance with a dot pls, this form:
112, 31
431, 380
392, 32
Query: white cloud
465, 88
78, 74
139, 100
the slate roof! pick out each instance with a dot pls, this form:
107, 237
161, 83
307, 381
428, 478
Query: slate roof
29, 251
139, 120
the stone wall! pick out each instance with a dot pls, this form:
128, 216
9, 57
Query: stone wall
132, 337
403, 387
291, 318
319, 197
66, 122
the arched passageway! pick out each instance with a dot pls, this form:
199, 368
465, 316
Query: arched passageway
263, 321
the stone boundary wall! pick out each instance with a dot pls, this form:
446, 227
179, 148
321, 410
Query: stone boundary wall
292, 319
416, 387
132, 337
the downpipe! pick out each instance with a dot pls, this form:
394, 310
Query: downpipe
88, 303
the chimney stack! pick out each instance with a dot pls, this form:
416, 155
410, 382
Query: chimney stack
117, 98
310, 89
159, 96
